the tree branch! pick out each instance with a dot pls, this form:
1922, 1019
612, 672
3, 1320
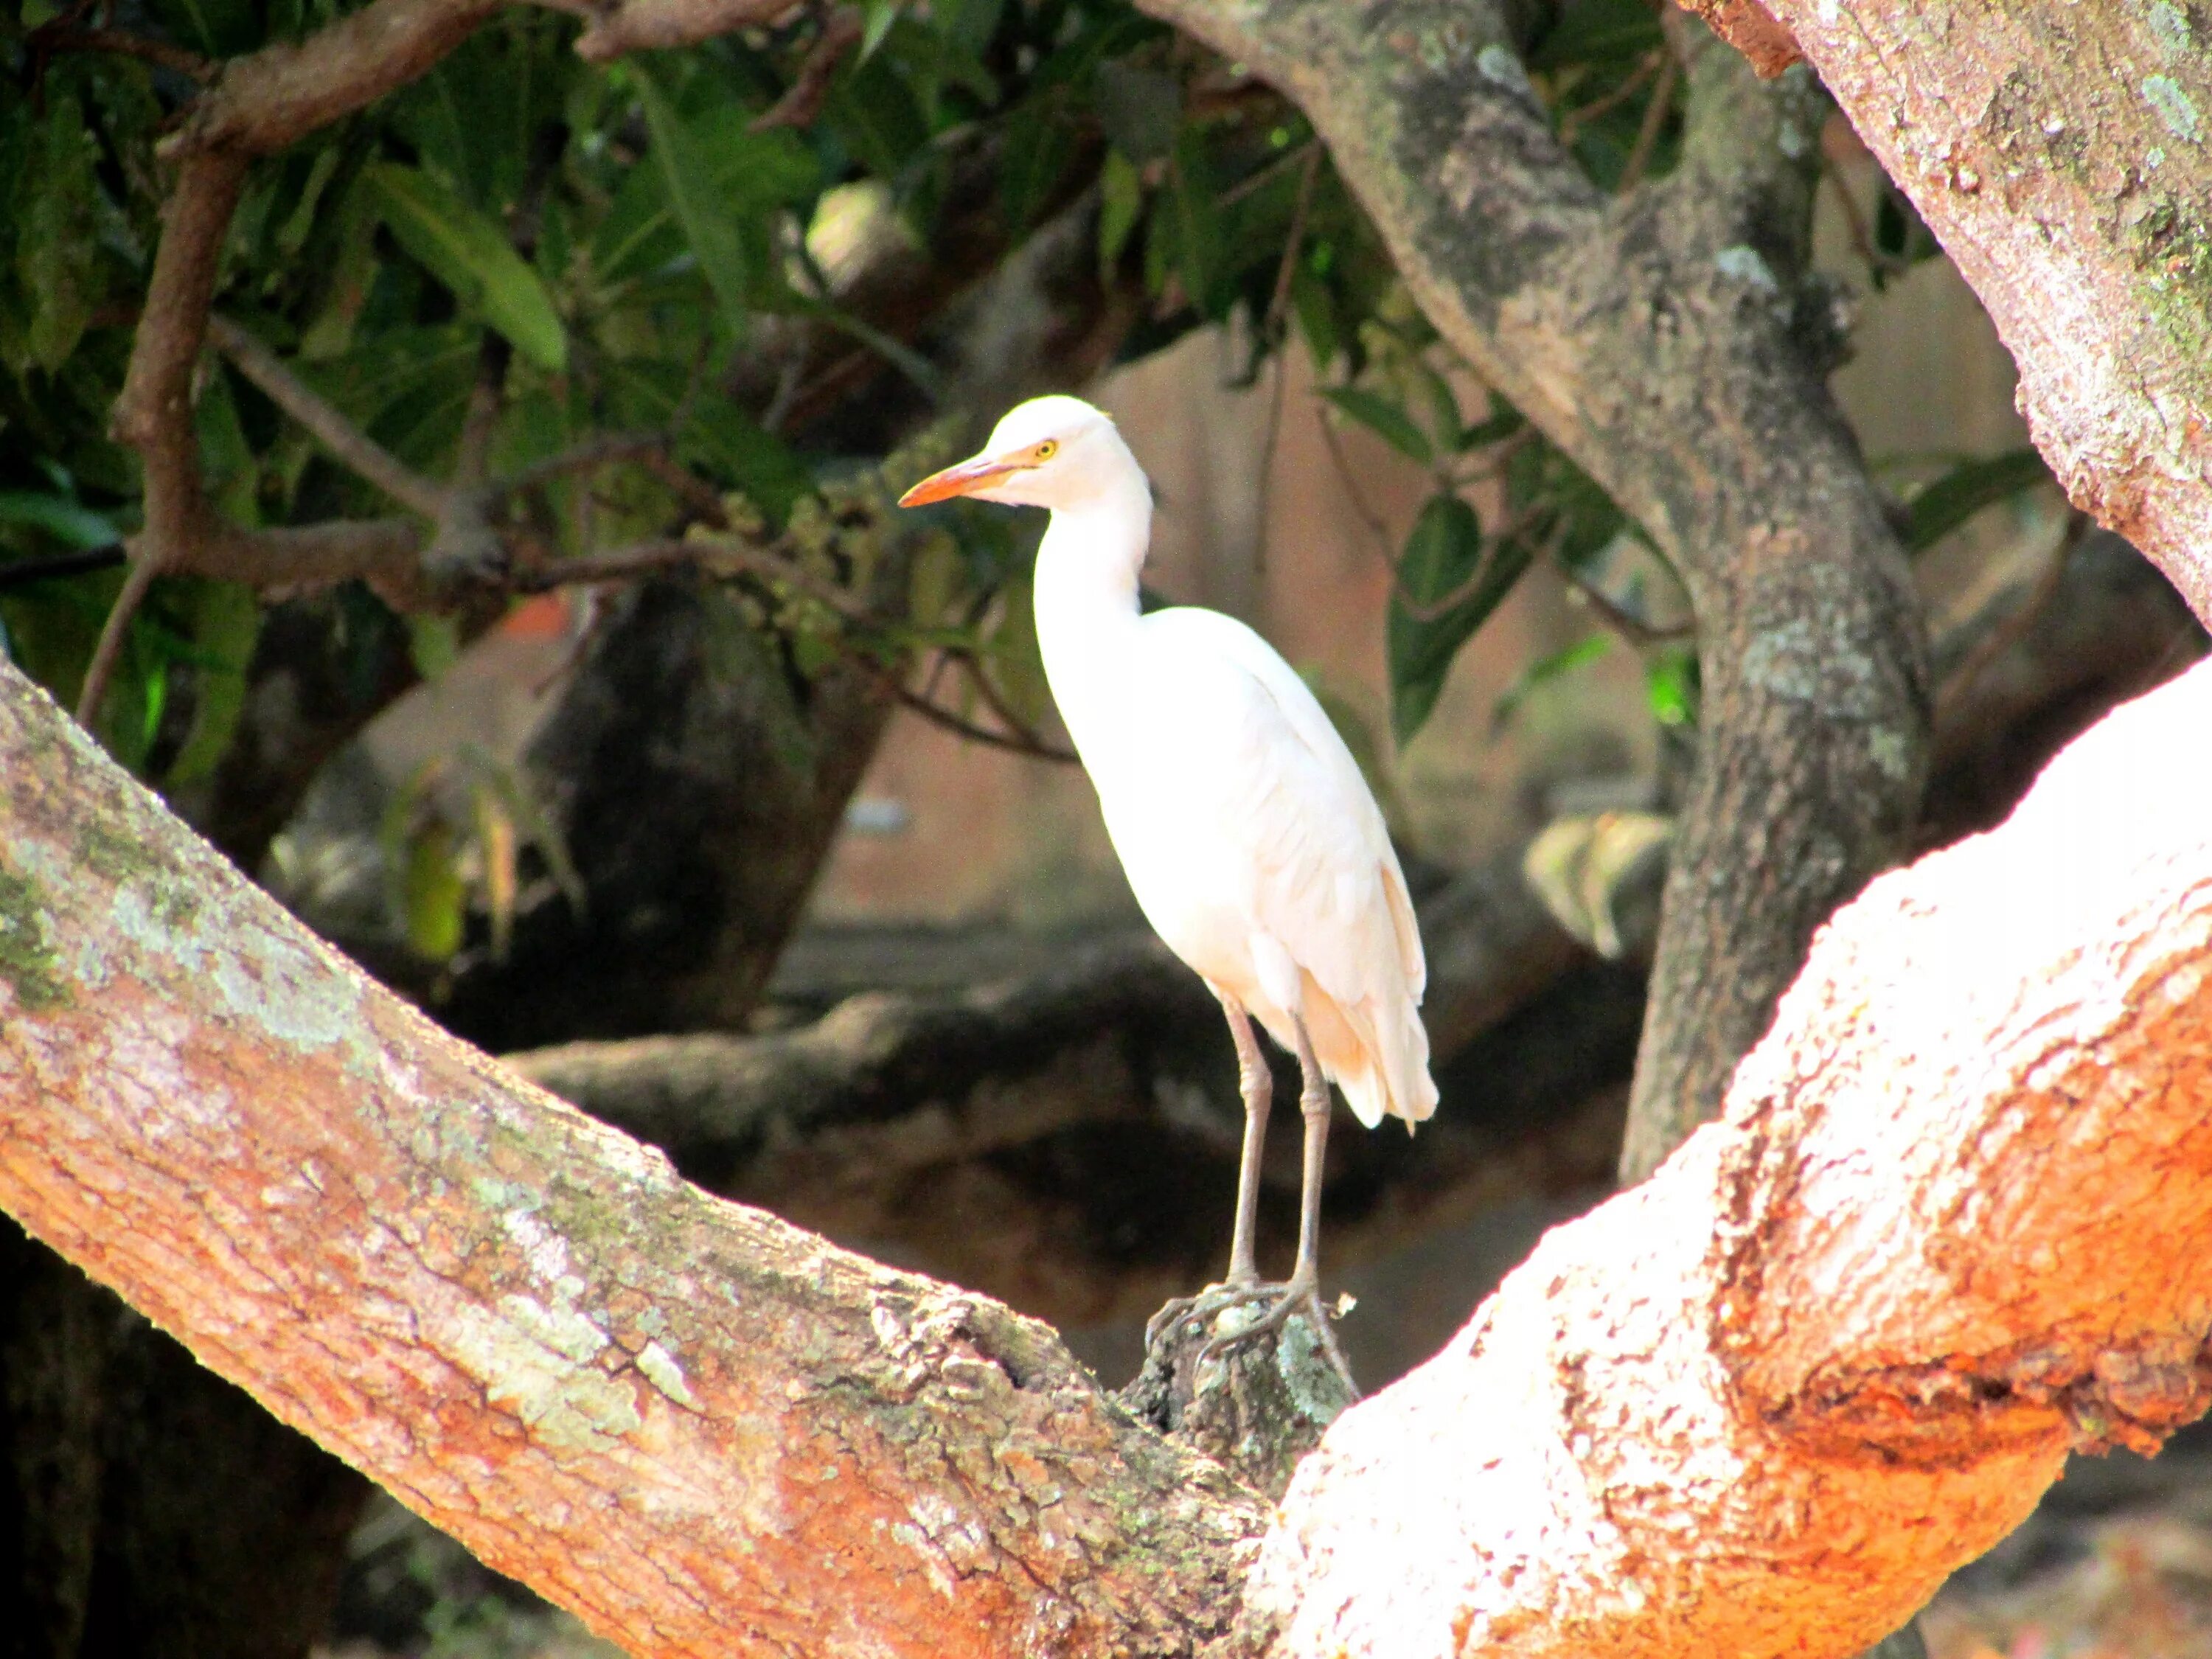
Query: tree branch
2075, 221
1958, 1220
617, 27
996, 1058
323, 420
54, 37
507, 1312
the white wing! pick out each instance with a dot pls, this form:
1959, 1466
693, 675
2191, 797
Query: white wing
1236, 810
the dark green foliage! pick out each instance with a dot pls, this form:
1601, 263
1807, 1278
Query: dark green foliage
706, 243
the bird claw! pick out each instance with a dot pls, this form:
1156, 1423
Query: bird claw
1285, 1300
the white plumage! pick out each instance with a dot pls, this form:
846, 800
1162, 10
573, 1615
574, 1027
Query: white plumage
1248, 834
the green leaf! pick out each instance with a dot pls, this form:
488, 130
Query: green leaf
1446, 589
689, 174
471, 255
1316, 311
638, 233
433, 643
56, 231
434, 895
1503, 423
877, 18
1545, 670
968, 24
1015, 663
226, 619
1039, 149
1965, 489
1444, 407
1197, 213
1670, 686
1140, 109
1121, 203
1388, 421
78, 528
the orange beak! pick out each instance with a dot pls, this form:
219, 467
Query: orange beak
965, 479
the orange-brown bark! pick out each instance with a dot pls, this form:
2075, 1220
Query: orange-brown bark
1957, 1219
706, 1431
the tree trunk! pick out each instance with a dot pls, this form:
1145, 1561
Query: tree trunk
1663, 341
698, 786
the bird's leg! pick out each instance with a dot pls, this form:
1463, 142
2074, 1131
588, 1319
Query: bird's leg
1258, 1088
1313, 1104
1301, 1293
1257, 1085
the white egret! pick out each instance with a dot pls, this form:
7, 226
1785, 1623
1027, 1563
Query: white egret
1248, 834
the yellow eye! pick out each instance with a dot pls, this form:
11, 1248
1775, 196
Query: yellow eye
1046, 450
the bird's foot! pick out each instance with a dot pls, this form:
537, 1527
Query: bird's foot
1203, 1309
1282, 1303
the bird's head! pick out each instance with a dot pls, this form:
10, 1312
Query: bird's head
1050, 452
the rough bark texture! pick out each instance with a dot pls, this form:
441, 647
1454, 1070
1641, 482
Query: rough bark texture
1959, 1219
667, 1411
1664, 340
2059, 152
1955, 1222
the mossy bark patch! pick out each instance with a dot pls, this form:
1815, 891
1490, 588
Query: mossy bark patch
27, 953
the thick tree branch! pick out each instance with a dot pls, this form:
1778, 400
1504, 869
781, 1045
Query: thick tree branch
508, 1313
2058, 153
1102, 1035
1959, 1219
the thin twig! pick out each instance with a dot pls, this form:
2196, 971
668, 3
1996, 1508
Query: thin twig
988, 690
1584, 114
161, 53
802, 101
646, 559
487, 395
1624, 622
693, 491
345, 440
1443, 604
2015, 628
1855, 224
24, 571
721, 553
1034, 748
1654, 117
1266, 170
1376, 528
101, 669
603, 451
1494, 457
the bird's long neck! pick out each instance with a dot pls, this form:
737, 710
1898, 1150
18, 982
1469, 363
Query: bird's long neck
1087, 614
